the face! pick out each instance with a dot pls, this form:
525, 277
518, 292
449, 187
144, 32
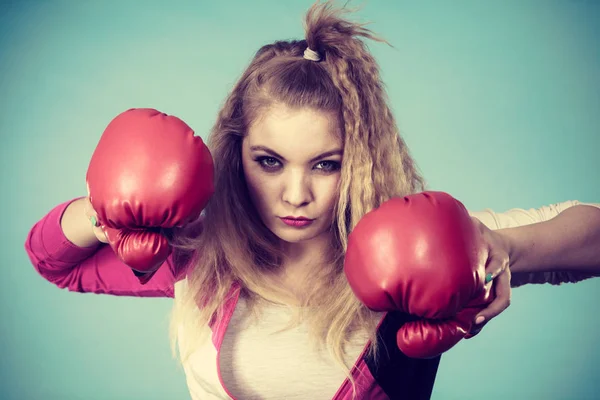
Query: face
291, 160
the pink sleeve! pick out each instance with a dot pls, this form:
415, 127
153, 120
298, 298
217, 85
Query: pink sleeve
89, 270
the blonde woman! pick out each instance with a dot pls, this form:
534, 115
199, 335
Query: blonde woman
304, 146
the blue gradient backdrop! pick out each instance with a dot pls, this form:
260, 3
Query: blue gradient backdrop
499, 102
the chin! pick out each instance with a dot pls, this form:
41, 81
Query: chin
291, 237
296, 235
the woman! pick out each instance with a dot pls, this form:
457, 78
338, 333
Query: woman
306, 132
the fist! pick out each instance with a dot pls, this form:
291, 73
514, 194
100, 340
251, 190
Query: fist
421, 255
149, 172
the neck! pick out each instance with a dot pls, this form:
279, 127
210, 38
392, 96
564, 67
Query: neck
309, 252
300, 259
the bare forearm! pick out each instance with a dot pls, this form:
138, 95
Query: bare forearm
76, 226
568, 242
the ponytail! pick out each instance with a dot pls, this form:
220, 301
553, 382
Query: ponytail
375, 156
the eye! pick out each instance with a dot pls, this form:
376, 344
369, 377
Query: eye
268, 163
328, 166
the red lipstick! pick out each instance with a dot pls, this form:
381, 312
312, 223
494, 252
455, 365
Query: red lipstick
297, 222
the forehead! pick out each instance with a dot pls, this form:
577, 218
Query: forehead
281, 127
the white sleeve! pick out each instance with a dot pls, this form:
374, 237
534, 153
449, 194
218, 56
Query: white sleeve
518, 217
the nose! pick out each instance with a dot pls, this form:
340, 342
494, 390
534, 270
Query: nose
296, 189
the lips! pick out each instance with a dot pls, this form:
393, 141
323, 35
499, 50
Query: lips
297, 222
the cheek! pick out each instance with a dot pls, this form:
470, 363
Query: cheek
328, 190
250, 176
259, 187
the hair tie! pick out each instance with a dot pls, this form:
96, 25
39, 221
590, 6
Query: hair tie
311, 55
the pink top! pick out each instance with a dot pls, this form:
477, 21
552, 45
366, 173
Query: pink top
98, 270
91, 270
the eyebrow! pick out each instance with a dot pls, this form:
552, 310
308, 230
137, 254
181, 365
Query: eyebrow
274, 154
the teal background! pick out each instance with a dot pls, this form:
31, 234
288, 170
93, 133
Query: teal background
499, 102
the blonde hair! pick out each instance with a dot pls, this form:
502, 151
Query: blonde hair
234, 245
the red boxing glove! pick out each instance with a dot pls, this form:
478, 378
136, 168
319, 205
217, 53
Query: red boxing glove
421, 255
148, 172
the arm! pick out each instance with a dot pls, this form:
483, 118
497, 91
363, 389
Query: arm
568, 242
75, 224
79, 263
553, 244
